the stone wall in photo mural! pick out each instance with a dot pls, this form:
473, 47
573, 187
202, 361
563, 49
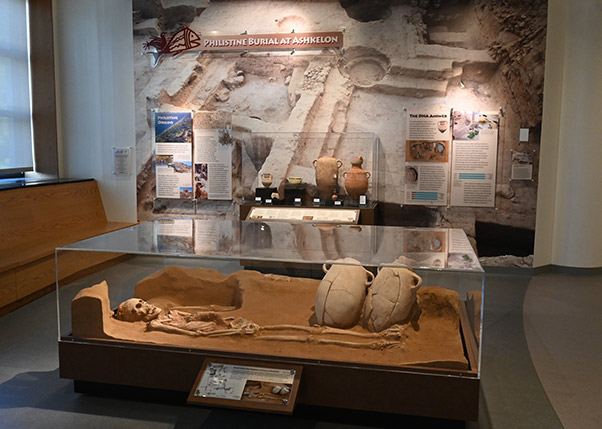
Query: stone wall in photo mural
399, 56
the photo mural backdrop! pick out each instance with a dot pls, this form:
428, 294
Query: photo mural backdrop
398, 57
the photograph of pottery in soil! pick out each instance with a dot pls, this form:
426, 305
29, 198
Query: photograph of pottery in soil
398, 56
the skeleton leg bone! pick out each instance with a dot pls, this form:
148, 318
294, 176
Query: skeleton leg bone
196, 325
395, 332
380, 344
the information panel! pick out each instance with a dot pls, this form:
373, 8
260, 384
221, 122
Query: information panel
299, 214
212, 164
173, 154
427, 150
241, 384
474, 158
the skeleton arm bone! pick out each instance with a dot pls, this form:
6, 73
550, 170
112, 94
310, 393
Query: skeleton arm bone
204, 308
156, 325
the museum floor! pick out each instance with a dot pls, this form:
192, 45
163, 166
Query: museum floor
541, 369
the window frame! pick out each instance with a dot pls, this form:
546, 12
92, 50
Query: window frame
42, 94
43, 89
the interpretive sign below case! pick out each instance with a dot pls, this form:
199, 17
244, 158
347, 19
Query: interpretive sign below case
249, 385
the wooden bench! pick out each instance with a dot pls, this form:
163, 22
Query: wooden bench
33, 222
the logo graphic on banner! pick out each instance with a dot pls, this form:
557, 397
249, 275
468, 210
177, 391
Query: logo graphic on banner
182, 40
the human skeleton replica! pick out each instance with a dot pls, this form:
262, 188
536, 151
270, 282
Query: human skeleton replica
340, 299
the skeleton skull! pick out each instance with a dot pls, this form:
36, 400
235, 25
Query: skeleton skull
135, 310
341, 294
390, 298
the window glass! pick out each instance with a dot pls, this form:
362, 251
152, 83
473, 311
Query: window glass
15, 106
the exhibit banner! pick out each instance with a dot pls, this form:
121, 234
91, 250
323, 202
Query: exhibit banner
173, 154
213, 164
474, 158
272, 41
427, 149
186, 39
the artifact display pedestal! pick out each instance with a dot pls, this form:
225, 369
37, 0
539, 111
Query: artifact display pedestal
429, 393
265, 193
295, 192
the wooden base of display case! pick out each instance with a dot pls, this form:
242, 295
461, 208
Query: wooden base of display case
411, 390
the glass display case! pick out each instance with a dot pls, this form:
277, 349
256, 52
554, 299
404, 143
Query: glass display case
378, 318
311, 169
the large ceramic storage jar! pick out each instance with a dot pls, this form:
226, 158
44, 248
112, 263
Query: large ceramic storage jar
356, 179
327, 175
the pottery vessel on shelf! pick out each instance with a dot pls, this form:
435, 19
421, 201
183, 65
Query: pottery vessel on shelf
266, 179
293, 180
327, 175
356, 179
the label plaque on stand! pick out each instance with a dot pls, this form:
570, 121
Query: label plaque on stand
252, 385
304, 214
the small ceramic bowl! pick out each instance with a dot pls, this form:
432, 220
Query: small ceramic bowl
294, 180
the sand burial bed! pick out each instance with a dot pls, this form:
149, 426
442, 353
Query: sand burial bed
432, 339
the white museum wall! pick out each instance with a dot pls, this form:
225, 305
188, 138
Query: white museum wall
95, 96
568, 228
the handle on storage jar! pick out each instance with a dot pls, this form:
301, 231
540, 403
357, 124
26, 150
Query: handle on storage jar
339, 163
315, 162
418, 278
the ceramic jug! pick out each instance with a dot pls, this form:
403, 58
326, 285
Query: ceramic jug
266, 179
327, 175
390, 298
356, 179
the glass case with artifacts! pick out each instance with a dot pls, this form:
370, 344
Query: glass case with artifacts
391, 311
310, 169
